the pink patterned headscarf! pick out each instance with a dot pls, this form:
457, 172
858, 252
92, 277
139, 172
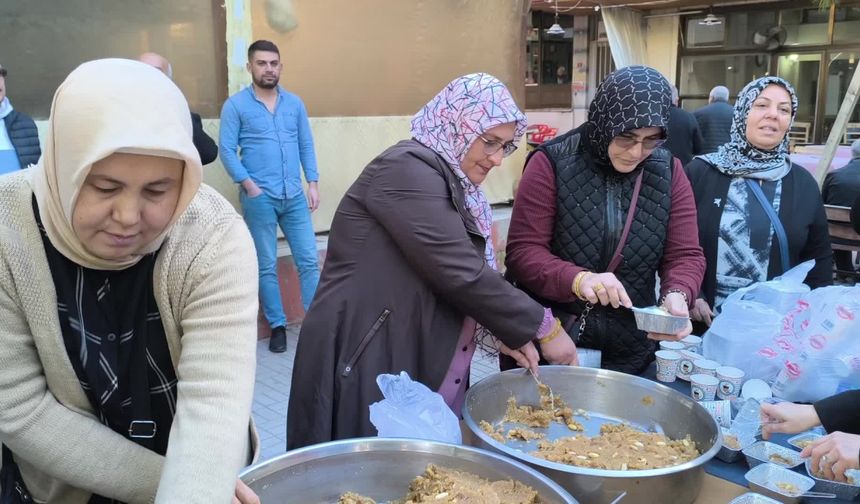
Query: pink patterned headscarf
449, 124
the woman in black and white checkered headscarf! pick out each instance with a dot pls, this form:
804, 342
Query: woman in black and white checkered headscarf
758, 213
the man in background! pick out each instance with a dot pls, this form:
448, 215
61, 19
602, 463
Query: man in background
842, 187
206, 147
715, 119
683, 138
19, 138
271, 127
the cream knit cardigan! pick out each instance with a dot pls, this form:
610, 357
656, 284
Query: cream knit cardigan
205, 285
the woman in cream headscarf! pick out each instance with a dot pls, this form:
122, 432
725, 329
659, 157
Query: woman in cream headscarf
128, 330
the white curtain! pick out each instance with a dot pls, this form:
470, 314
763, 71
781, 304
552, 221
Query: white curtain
626, 36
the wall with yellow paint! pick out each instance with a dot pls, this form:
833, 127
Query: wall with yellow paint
363, 68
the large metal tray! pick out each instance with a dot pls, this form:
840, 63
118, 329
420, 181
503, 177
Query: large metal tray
607, 396
381, 469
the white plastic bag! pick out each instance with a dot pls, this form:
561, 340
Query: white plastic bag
817, 346
751, 319
780, 294
412, 410
738, 333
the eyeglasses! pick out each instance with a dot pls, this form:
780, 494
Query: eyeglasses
492, 146
626, 142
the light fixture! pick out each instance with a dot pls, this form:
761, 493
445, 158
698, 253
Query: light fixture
710, 20
596, 8
794, 57
556, 28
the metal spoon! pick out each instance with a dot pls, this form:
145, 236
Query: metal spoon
551, 395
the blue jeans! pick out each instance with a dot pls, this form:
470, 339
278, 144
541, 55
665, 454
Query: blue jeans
263, 215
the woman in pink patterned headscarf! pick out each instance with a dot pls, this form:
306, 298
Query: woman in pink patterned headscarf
410, 281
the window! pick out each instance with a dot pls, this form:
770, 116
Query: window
46, 47
839, 74
802, 71
549, 59
805, 26
699, 74
847, 24
705, 35
740, 27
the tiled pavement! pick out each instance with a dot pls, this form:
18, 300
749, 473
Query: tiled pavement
272, 391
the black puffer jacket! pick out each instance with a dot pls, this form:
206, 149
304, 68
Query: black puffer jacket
25, 137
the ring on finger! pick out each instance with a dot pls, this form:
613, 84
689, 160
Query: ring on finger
597, 287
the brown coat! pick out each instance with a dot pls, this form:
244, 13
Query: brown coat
405, 264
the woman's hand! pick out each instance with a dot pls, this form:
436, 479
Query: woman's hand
702, 312
605, 289
244, 495
675, 304
561, 350
526, 355
833, 454
787, 418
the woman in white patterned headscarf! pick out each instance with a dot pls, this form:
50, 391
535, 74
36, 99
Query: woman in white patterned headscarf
128, 335
741, 242
410, 282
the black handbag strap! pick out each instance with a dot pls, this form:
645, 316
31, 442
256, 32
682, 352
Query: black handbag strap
778, 229
616, 256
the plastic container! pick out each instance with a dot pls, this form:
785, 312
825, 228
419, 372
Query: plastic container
767, 478
764, 452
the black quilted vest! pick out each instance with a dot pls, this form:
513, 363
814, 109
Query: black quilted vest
591, 208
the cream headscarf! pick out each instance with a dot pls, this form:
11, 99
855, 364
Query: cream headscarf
107, 106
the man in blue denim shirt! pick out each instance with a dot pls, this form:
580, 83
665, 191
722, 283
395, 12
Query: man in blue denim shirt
271, 128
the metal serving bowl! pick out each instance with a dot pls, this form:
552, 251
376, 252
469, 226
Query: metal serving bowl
380, 468
606, 396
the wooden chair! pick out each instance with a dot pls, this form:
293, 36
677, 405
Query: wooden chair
852, 132
799, 132
842, 235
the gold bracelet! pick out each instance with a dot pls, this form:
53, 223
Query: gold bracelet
556, 330
577, 283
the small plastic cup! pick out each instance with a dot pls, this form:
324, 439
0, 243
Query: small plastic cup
693, 343
672, 345
667, 365
703, 387
705, 366
731, 379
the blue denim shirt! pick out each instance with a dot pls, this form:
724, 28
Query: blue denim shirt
272, 144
